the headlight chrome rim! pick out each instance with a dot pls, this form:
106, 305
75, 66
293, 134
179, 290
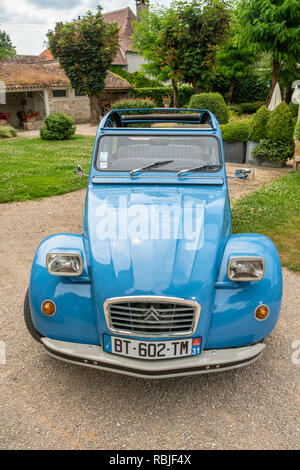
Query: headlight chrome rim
66, 254
246, 258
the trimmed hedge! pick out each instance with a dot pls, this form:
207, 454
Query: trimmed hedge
214, 102
249, 88
133, 104
293, 107
275, 151
157, 93
280, 126
297, 130
58, 126
235, 131
138, 79
258, 125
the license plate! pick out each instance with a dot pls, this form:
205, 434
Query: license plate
152, 349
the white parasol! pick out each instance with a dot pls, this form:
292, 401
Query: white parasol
276, 98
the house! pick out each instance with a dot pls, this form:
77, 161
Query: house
38, 83
126, 57
44, 87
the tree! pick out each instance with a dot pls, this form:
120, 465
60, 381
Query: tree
179, 42
204, 27
271, 26
7, 50
156, 38
85, 49
234, 61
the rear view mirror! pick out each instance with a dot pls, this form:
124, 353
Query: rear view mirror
79, 171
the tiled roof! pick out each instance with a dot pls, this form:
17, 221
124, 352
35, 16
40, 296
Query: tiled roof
124, 18
27, 76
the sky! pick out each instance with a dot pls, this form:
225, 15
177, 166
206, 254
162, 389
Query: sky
27, 21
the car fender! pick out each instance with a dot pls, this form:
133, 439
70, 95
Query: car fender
233, 322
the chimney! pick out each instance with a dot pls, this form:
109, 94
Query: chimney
141, 5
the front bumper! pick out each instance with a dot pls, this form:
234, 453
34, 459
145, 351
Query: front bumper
208, 361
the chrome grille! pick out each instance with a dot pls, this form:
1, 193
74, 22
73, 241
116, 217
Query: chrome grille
152, 316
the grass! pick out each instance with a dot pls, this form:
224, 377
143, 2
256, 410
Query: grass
274, 210
32, 168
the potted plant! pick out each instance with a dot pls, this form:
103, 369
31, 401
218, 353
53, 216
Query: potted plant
235, 135
3, 118
166, 101
257, 131
29, 116
278, 145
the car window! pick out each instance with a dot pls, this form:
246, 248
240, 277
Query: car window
125, 153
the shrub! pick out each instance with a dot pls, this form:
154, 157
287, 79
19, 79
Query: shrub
249, 88
214, 102
157, 93
236, 109
235, 131
58, 126
275, 151
134, 104
280, 127
297, 130
258, 125
250, 108
293, 107
138, 79
7, 131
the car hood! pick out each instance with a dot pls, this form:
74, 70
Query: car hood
150, 240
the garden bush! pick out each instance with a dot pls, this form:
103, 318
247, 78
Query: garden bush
279, 144
280, 126
250, 108
138, 79
297, 130
293, 107
235, 131
258, 125
214, 102
236, 109
274, 151
157, 93
58, 126
7, 131
134, 104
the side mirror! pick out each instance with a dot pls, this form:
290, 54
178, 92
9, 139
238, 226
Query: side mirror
79, 171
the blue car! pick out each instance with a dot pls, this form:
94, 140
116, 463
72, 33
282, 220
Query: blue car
156, 285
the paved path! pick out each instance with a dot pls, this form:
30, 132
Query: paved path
48, 404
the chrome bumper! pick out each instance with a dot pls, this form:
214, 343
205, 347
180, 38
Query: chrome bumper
208, 361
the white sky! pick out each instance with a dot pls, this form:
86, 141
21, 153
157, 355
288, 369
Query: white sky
27, 21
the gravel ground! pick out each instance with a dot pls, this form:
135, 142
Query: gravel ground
48, 404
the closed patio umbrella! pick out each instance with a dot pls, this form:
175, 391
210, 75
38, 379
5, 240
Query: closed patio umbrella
276, 98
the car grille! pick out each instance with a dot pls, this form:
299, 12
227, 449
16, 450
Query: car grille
145, 316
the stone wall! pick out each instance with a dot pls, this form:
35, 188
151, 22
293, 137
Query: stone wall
78, 107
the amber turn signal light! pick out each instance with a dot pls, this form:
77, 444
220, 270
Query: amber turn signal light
261, 312
48, 308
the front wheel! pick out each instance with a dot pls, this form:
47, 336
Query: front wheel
28, 319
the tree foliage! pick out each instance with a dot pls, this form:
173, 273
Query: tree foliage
179, 42
85, 49
7, 50
271, 26
234, 60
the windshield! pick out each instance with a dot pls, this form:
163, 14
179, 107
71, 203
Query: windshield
159, 153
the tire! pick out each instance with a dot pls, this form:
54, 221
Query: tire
28, 319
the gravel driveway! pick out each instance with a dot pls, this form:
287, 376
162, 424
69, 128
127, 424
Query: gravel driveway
48, 404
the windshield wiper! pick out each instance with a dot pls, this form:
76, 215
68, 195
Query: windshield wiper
153, 165
199, 168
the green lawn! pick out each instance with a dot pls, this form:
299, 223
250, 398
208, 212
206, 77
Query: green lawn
32, 168
274, 210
